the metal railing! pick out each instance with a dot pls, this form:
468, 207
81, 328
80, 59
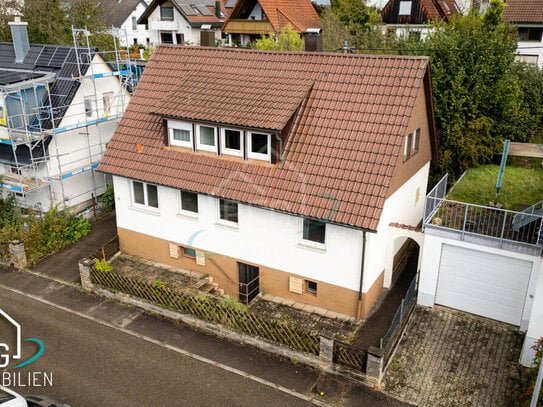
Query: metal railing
434, 198
400, 318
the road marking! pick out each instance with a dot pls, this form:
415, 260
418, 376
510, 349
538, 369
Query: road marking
202, 359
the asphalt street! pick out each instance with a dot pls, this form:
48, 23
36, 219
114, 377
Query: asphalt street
95, 365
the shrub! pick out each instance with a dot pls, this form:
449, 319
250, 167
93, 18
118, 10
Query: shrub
530, 376
232, 303
160, 284
102, 265
108, 199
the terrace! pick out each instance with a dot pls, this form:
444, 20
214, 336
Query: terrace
488, 225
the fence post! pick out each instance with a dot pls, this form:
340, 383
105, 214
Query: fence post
85, 266
326, 351
374, 366
401, 310
17, 254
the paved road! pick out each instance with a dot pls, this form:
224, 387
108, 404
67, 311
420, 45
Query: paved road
94, 365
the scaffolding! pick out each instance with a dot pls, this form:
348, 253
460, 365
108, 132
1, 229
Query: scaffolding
57, 125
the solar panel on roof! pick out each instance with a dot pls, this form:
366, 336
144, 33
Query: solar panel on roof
203, 10
52, 57
188, 10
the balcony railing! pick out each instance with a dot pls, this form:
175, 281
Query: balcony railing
485, 225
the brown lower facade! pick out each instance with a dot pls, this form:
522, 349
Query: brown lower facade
243, 280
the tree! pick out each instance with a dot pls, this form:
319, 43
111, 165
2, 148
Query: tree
359, 19
8, 9
477, 97
286, 40
47, 22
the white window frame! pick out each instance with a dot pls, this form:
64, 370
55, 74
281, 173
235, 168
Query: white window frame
312, 244
225, 222
405, 8
415, 147
205, 147
88, 102
179, 126
107, 98
186, 212
258, 156
145, 205
230, 151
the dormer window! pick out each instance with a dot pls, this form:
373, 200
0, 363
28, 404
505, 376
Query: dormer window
180, 134
231, 142
259, 146
206, 138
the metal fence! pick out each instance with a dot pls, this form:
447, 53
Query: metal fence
350, 356
107, 251
434, 198
400, 318
211, 310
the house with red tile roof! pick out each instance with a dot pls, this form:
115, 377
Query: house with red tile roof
251, 19
300, 175
411, 17
181, 21
527, 17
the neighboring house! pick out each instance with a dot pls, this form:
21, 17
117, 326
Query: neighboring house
485, 261
251, 19
123, 15
58, 109
182, 21
527, 17
412, 17
300, 175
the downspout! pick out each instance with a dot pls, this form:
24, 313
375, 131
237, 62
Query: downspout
361, 273
280, 146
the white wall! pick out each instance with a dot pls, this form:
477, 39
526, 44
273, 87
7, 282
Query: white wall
535, 327
263, 237
140, 34
531, 49
405, 206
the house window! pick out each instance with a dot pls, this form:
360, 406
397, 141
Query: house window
405, 8
529, 34
411, 145
231, 142
314, 230
228, 210
106, 98
166, 38
166, 13
259, 146
180, 134
188, 252
189, 201
416, 142
134, 24
179, 38
207, 138
88, 106
145, 194
311, 287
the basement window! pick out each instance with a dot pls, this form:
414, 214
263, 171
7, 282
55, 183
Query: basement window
188, 252
311, 287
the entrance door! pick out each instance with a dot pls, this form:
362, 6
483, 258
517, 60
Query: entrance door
248, 282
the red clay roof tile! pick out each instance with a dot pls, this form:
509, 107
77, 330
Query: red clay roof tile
523, 11
343, 145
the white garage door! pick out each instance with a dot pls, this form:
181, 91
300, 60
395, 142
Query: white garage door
482, 283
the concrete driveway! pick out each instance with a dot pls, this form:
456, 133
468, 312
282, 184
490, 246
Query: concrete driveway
450, 358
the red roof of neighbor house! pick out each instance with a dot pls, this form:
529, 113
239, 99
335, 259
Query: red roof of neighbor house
349, 116
301, 14
434, 10
523, 11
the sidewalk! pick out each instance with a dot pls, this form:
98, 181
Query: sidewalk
251, 362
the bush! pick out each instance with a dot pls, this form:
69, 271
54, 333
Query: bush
108, 199
529, 378
102, 265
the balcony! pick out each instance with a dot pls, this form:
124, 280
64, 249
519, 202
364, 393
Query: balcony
257, 27
162, 25
485, 225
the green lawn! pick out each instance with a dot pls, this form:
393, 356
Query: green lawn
521, 187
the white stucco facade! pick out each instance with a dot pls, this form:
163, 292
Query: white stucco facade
135, 33
531, 51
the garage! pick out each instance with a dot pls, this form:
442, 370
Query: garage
483, 283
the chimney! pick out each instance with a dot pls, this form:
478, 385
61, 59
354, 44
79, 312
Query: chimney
218, 9
20, 38
207, 36
313, 40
